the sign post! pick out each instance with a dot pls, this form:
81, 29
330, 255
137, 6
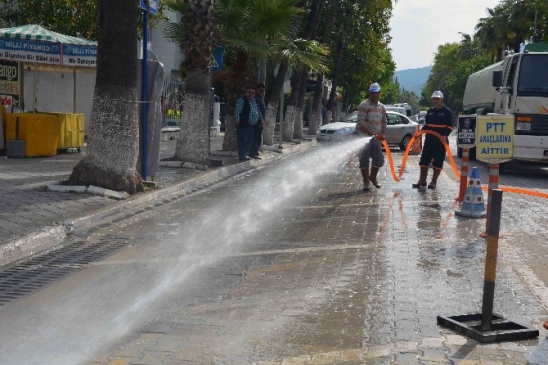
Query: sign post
152, 7
494, 144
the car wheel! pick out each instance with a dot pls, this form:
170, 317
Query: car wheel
404, 142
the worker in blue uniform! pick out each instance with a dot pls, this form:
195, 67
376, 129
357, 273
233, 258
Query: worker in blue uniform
439, 119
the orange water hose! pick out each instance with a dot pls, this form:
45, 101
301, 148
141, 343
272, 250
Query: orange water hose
419, 134
408, 148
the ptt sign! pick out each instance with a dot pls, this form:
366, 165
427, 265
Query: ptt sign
495, 138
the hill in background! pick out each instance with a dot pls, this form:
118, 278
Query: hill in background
413, 79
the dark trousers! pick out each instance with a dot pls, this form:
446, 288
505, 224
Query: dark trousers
245, 138
256, 140
433, 152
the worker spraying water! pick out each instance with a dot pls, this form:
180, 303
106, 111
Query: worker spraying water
372, 122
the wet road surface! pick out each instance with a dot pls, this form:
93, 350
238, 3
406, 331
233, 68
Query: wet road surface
291, 264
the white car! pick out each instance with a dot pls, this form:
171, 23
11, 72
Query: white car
399, 131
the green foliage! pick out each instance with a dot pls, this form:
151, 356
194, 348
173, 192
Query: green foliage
511, 23
366, 58
453, 63
70, 17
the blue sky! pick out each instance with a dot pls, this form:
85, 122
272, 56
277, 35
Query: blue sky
418, 27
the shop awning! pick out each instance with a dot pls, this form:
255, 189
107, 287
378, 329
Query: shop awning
35, 44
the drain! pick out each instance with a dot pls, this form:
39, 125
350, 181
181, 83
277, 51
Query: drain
43, 269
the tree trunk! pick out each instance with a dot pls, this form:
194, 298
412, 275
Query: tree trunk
310, 33
236, 83
273, 103
316, 107
316, 117
299, 107
271, 112
334, 83
287, 125
193, 144
113, 146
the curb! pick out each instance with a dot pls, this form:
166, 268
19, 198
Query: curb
45, 238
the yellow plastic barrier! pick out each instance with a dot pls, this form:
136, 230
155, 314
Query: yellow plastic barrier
39, 131
71, 130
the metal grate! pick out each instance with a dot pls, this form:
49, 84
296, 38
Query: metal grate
40, 270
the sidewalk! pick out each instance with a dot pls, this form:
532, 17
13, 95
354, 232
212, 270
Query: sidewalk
33, 219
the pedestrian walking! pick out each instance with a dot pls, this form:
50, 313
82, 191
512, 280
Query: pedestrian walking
246, 115
439, 119
372, 122
258, 128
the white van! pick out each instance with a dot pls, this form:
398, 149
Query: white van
408, 110
397, 109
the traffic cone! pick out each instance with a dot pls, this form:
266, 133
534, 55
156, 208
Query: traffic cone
473, 205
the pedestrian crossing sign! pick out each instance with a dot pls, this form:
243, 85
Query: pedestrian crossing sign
217, 59
152, 7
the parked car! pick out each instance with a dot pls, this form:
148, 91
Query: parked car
399, 131
339, 131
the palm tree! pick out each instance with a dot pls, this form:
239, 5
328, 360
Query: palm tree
297, 103
251, 30
491, 32
113, 145
244, 27
195, 35
293, 54
315, 109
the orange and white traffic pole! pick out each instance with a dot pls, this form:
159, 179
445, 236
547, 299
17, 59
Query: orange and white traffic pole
463, 174
493, 184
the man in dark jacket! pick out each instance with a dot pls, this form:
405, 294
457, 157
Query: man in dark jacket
258, 128
246, 115
438, 119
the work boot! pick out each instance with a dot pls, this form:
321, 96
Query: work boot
365, 178
422, 179
373, 176
434, 181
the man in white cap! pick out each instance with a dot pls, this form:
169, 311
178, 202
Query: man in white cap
372, 122
438, 119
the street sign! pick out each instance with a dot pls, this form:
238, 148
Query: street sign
466, 132
495, 138
217, 60
310, 86
153, 6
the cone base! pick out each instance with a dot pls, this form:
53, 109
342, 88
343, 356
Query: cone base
470, 214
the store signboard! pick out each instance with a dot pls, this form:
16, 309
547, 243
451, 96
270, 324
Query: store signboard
79, 56
10, 85
30, 51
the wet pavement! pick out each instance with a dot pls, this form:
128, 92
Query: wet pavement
33, 219
323, 273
